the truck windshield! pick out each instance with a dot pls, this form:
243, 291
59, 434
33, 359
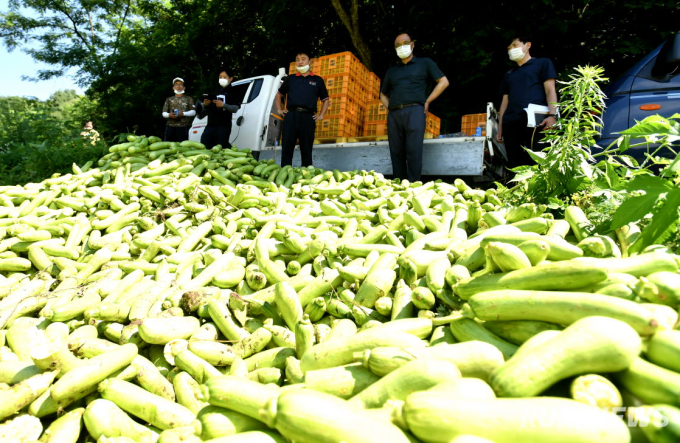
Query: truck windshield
238, 92
255, 90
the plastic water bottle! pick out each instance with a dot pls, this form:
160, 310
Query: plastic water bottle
478, 131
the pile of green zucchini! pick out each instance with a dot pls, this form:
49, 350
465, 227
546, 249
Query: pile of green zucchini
178, 294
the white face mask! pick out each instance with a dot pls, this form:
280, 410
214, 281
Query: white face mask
404, 51
302, 69
179, 92
224, 82
516, 54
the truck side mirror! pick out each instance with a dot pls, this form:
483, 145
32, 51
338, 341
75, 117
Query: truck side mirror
668, 60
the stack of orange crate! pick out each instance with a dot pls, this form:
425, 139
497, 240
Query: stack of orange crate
372, 87
376, 118
432, 125
470, 123
345, 79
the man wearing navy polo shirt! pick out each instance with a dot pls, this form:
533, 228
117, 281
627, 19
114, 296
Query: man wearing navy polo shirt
531, 82
299, 118
403, 93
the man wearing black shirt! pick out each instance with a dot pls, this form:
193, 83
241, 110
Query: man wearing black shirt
299, 118
531, 82
219, 107
403, 93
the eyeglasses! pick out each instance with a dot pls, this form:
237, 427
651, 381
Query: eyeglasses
407, 43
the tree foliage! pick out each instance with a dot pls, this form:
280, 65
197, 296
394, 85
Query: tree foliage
81, 34
39, 138
128, 51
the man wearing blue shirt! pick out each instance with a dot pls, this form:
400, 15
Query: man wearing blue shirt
303, 90
532, 81
404, 94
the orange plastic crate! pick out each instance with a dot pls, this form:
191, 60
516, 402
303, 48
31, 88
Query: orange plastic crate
341, 84
375, 111
432, 124
474, 118
361, 115
342, 63
337, 127
363, 74
372, 87
361, 94
344, 105
472, 129
346, 85
470, 123
375, 128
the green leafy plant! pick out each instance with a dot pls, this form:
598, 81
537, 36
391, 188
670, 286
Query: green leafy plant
617, 189
566, 166
652, 199
659, 134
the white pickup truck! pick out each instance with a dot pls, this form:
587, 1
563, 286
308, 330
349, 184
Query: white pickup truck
256, 126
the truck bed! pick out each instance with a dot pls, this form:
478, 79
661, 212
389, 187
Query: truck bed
456, 156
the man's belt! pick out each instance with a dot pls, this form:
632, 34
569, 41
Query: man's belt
394, 108
305, 110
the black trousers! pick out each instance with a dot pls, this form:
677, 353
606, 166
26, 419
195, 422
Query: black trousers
176, 133
216, 135
516, 135
405, 133
297, 125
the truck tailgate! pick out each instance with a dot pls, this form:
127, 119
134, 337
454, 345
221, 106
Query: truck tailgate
441, 156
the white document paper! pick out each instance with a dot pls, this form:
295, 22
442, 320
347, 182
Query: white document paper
536, 114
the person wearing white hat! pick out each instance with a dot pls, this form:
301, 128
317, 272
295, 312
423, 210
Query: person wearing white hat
178, 110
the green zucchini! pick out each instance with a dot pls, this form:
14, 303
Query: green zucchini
239, 394
340, 352
650, 383
519, 331
562, 308
307, 416
465, 389
663, 349
638, 266
590, 345
439, 419
466, 329
343, 381
557, 276
220, 422
660, 423
414, 376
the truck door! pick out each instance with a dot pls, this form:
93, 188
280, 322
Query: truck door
256, 125
244, 127
656, 88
